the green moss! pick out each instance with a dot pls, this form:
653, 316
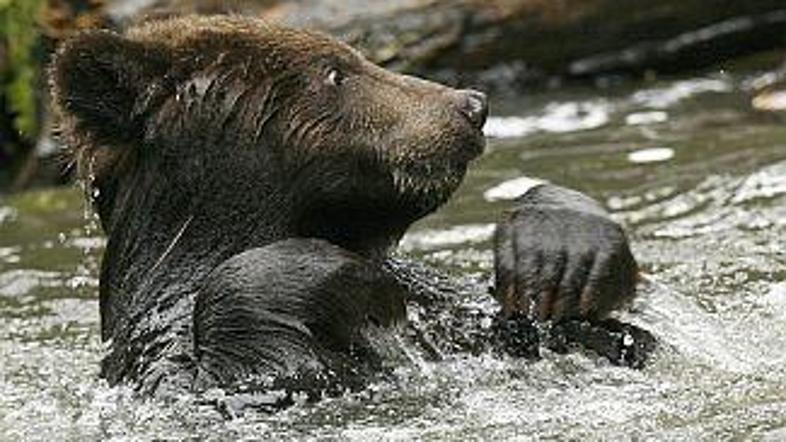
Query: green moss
20, 36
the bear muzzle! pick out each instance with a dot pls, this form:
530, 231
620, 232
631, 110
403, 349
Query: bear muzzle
474, 106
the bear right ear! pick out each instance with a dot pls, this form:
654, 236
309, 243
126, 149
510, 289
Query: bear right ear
103, 81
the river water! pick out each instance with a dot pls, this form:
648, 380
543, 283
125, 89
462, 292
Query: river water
697, 176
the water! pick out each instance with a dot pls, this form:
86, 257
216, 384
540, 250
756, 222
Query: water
698, 177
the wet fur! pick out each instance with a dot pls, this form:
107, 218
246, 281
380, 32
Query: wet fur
204, 140
250, 208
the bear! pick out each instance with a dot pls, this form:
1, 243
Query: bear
253, 181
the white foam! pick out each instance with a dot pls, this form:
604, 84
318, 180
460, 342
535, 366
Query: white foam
555, 118
770, 101
572, 116
20, 282
766, 183
512, 189
660, 98
7, 214
675, 319
645, 118
429, 239
651, 155
510, 127
776, 298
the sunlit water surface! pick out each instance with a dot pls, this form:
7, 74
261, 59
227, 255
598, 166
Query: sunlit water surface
696, 175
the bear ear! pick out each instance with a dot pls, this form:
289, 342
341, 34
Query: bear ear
104, 81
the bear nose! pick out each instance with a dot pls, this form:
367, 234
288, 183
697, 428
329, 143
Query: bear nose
474, 105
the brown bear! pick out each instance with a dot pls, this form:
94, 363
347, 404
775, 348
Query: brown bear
252, 181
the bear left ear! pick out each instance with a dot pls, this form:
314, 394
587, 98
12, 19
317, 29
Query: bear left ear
104, 80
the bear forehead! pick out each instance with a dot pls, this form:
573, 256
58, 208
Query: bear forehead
192, 33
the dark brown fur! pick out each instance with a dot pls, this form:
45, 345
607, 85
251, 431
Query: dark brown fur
405, 125
202, 138
251, 180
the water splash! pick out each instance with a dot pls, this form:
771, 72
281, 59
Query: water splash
676, 320
437, 238
555, 118
669, 96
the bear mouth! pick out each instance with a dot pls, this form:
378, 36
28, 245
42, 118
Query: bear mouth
475, 147
428, 182
370, 207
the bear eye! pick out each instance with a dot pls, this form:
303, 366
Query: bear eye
335, 77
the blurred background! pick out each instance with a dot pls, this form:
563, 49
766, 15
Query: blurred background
501, 46
670, 112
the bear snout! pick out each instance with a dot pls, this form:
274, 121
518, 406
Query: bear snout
474, 106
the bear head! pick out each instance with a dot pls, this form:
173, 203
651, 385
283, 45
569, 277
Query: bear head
270, 132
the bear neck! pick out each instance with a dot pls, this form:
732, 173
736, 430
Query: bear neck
164, 232
168, 232
364, 228
169, 235
165, 236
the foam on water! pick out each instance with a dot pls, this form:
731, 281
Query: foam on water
668, 96
555, 118
651, 155
646, 118
456, 235
511, 189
